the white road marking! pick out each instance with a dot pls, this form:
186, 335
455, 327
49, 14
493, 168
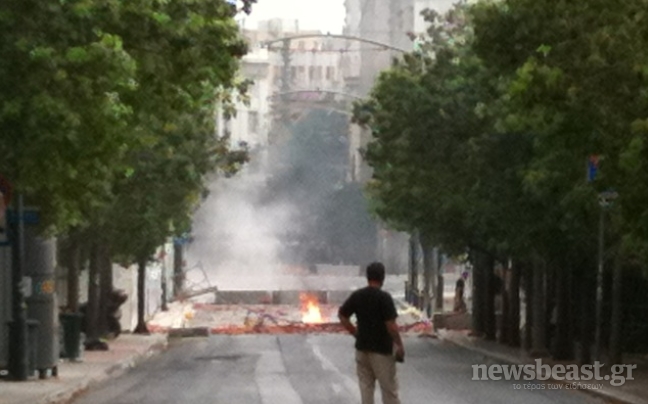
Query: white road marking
349, 384
272, 380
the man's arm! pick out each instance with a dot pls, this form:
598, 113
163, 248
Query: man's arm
392, 328
347, 324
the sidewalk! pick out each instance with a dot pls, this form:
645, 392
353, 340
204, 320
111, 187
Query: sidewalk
632, 392
75, 377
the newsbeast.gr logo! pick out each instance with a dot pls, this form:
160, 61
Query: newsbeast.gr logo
617, 375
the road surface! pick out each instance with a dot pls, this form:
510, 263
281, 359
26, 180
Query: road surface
305, 369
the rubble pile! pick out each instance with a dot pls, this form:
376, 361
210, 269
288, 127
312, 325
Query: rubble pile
269, 319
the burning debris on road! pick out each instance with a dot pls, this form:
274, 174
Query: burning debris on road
310, 316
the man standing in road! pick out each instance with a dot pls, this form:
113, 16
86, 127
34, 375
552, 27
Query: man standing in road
376, 337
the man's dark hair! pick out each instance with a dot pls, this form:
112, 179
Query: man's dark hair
376, 272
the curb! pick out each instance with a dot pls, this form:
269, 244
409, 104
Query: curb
627, 399
189, 332
73, 391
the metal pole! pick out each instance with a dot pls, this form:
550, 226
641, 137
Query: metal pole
18, 363
178, 273
286, 80
599, 287
163, 279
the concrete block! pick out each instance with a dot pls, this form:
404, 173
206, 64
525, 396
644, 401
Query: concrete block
452, 321
293, 296
189, 332
243, 297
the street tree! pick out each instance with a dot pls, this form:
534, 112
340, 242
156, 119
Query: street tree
187, 55
576, 74
424, 114
63, 117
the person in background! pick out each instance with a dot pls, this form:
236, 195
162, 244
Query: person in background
378, 343
459, 302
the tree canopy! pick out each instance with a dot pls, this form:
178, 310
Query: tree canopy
108, 108
502, 133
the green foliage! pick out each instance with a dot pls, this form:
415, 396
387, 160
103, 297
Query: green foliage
63, 116
481, 137
575, 81
423, 113
107, 111
187, 53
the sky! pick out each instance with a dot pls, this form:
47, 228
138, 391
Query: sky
323, 15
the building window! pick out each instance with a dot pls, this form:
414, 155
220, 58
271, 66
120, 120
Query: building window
330, 73
311, 73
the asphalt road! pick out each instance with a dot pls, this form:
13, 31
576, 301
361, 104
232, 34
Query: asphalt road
305, 369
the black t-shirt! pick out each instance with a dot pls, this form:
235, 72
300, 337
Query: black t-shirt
372, 308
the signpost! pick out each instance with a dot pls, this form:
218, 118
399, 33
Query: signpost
5, 200
605, 199
4, 240
11, 234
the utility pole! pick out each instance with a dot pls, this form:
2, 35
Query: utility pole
606, 199
18, 362
178, 270
286, 80
598, 338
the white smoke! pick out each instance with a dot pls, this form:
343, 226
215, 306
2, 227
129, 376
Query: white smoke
236, 239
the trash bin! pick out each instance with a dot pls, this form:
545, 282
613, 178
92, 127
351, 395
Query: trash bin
30, 344
40, 261
71, 325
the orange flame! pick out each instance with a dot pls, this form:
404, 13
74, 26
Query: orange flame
310, 310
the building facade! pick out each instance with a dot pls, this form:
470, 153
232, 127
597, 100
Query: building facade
308, 72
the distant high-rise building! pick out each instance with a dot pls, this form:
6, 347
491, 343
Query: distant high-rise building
311, 70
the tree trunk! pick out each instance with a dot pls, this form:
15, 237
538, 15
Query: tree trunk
539, 328
178, 270
429, 272
587, 303
105, 287
598, 330
478, 293
514, 304
439, 287
562, 346
165, 290
616, 323
92, 309
505, 323
413, 275
73, 265
528, 306
490, 319
141, 327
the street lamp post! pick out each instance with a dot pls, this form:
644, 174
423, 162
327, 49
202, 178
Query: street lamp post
18, 365
606, 199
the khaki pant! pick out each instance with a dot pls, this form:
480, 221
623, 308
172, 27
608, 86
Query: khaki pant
373, 366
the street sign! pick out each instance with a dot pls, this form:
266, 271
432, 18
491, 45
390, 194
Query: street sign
29, 216
592, 167
606, 198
